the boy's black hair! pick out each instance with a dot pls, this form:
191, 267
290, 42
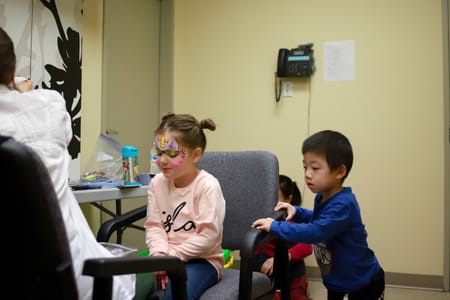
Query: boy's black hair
334, 146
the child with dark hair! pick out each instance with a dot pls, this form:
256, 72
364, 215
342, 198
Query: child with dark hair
288, 192
186, 207
349, 268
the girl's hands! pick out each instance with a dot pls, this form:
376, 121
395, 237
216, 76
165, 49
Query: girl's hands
267, 267
161, 280
161, 277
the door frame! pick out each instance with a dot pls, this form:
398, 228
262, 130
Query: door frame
446, 52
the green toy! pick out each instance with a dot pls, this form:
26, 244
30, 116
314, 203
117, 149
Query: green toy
227, 256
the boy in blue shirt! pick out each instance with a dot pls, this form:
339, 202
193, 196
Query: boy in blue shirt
348, 266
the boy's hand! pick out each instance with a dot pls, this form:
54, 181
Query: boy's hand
290, 209
263, 224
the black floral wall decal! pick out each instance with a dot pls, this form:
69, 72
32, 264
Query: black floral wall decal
67, 81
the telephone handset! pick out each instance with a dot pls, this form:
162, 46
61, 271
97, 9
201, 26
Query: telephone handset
281, 66
297, 62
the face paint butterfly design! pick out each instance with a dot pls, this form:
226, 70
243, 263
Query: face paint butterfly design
169, 146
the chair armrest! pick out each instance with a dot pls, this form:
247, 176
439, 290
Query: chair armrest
118, 222
255, 238
103, 270
282, 269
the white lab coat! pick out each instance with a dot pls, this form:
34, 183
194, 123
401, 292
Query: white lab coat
39, 119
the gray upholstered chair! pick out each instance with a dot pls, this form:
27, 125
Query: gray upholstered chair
249, 181
37, 248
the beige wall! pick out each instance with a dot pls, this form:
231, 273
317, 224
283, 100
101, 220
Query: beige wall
225, 57
91, 109
223, 67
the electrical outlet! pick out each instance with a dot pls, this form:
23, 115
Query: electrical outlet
287, 87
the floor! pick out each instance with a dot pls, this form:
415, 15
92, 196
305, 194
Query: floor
318, 292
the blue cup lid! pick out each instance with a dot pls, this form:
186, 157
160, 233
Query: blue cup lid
129, 151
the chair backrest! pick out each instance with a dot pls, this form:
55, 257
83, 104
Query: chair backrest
38, 255
249, 181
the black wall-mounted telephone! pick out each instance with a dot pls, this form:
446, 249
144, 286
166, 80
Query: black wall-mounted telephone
297, 62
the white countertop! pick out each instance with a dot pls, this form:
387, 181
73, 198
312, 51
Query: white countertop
110, 193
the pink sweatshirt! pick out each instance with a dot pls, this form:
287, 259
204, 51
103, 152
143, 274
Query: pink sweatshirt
186, 222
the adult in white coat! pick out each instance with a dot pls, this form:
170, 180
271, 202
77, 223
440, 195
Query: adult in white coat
38, 118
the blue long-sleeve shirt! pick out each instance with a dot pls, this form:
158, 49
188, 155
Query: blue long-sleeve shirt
339, 239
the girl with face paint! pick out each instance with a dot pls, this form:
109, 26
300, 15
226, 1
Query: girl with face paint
186, 207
